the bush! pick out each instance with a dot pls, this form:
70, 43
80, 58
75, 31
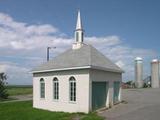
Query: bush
3, 91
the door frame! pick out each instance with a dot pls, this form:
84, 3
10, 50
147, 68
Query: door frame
119, 92
107, 92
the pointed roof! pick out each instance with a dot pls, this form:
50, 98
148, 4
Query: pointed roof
85, 57
79, 22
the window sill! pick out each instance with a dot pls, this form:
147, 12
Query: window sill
42, 98
72, 102
55, 100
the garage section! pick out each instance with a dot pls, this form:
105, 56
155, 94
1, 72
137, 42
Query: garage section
116, 87
99, 94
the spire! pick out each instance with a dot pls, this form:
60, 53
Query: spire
79, 23
78, 33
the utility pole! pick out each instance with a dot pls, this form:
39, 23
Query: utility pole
48, 48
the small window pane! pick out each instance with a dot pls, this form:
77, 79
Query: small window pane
72, 85
55, 89
42, 88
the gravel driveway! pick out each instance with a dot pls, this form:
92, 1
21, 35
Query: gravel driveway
143, 104
20, 98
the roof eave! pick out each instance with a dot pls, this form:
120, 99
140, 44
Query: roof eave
75, 68
60, 69
107, 69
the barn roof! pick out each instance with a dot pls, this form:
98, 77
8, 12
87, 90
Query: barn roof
85, 57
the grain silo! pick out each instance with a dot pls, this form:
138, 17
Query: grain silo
138, 72
155, 73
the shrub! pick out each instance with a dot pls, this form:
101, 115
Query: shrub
3, 91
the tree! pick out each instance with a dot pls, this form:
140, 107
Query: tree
3, 91
129, 82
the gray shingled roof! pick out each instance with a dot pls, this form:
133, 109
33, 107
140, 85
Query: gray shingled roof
76, 58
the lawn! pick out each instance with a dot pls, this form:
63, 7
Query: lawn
25, 111
19, 90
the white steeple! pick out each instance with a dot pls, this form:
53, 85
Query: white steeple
78, 33
79, 23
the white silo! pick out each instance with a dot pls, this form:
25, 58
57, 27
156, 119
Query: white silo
159, 72
138, 72
155, 73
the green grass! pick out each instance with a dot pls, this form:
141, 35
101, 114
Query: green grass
19, 90
25, 111
92, 116
8, 99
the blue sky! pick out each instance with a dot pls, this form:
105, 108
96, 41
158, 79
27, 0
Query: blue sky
126, 28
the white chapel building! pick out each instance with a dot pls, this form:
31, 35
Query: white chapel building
81, 79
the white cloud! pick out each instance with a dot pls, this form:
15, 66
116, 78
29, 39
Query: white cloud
24, 45
3, 68
120, 64
108, 40
16, 74
18, 35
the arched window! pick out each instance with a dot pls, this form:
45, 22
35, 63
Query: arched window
72, 89
55, 89
42, 88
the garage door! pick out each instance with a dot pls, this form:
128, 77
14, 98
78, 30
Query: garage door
99, 94
116, 91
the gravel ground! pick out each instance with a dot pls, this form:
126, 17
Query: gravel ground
143, 104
